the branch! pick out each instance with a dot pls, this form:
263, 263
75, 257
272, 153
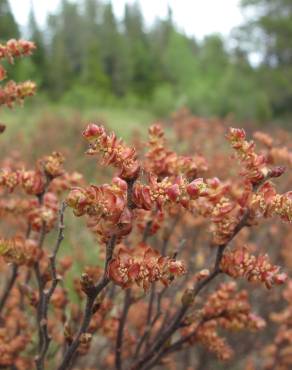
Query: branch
9, 286
149, 326
91, 296
14, 273
120, 334
47, 294
175, 322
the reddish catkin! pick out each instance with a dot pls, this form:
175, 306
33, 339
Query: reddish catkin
144, 266
112, 150
240, 263
16, 48
13, 92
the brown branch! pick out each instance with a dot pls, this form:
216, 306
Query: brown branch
11, 281
40, 285
168, 234
9, 286
149, 326
90, 299
38, 275
47, 294
176, 346
147, 230
177, 318
120, 333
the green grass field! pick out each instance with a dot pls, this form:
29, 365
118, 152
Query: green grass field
23, 120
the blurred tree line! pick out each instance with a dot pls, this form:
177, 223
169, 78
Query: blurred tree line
86, 56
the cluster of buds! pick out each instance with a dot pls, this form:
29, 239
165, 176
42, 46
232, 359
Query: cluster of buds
19, 251
13, 206
240, 263
264, 138
277, 355
143, 265
225, 308
255, 165
214, 203
275, 154
267, 202
207, 336
231, 309
13, 92
109, 329
33, 182
65, 182
106, 206
208, 198
150, 221
53, 165
43, 216
16, 48
113, 151
160, 193
164, 162
11, 349
10, 179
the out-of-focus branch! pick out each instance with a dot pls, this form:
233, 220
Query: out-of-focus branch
174, 324
120, 334
91, 296
9, 285
47, 294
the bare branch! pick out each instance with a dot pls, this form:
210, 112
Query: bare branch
120, 334
69, 354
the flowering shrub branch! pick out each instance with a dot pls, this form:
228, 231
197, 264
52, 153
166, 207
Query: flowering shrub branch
12, 92
165, 227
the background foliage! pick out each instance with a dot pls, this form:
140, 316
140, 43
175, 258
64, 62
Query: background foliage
92, 58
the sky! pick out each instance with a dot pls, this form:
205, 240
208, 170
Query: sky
196, 17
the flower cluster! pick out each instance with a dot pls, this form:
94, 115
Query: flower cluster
240, 263
19, 251
113, 151
53, 164
224, 308
106, 206
231, 308
164, 162
143, 265
16, 48
11, 348
277, 355
12, 92
255, 168
33, 182
267, 203
44, 215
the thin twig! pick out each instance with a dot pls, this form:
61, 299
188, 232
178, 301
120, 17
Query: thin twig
168, 234
14, 273
175, 322
47, 294
120, 334
9, 286
90, 299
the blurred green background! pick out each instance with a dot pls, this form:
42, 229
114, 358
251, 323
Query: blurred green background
88, 58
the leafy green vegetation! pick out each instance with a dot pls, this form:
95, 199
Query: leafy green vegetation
91, 58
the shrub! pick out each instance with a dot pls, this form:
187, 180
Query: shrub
167, 229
